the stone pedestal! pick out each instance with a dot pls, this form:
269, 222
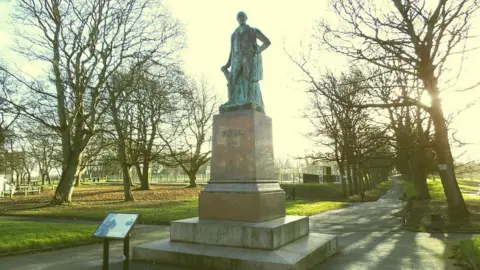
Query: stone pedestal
242, 222
242, 186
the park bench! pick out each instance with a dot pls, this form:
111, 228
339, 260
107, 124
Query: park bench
8, 193
29, 190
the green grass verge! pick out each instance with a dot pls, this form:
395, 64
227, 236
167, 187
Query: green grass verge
159, 213
471, 248
436, 189
374, 193
25, 235
151, 212
419, 218
162, 204
308, 208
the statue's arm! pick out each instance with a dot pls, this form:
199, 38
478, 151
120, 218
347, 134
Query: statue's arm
229, 62
266, 42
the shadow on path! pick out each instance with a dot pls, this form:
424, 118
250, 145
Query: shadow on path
371, 238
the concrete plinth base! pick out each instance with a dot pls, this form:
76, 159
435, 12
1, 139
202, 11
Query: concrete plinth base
241, 206
303, 253
269, 235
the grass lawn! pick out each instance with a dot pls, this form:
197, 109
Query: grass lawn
25, 235
157, 206
419, 218
471, 248
307, 208
160, 205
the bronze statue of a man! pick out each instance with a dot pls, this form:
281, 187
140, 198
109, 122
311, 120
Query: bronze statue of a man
245, 63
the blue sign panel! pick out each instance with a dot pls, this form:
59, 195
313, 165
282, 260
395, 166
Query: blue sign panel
116, 226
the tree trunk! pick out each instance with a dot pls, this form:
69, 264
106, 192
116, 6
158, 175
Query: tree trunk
419, 179
456, 203
127, 188
420, 164
63, 193
366, 181
192, 176
355, 178
143, 177
48, 179
132, 184
349, 179
372, 179
366, 185
341, 168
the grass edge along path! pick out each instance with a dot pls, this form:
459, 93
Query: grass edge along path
20, 237
418, 212
373, 194
163, 212
471, 249
24, 236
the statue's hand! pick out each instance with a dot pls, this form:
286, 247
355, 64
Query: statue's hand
225, 72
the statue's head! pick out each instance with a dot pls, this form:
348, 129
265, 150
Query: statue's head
242, 18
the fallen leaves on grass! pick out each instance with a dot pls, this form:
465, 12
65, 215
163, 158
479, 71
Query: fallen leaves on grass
159, 205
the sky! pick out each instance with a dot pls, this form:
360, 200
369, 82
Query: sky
289, 26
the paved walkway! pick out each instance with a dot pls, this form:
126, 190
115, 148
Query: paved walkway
370, 238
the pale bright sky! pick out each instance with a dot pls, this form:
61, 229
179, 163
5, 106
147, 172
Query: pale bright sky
209, 24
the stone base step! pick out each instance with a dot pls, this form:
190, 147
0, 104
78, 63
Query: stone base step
301, 254
270, 234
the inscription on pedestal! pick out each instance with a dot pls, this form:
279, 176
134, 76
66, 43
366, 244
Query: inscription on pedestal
242, 147
232, 136
232, 133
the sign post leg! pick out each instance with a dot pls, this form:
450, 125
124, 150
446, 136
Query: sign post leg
126, 253
105, 254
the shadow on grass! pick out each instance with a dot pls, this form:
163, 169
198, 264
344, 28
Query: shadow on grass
420, 219
158, 213
415, 216
25, 207
90, 194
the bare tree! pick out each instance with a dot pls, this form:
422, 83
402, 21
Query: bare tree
90, 154
410, 125
414, 38
141, 103
189, 151
43, 146
119, 113
13, 156
84, 43
8, 113
155, 99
